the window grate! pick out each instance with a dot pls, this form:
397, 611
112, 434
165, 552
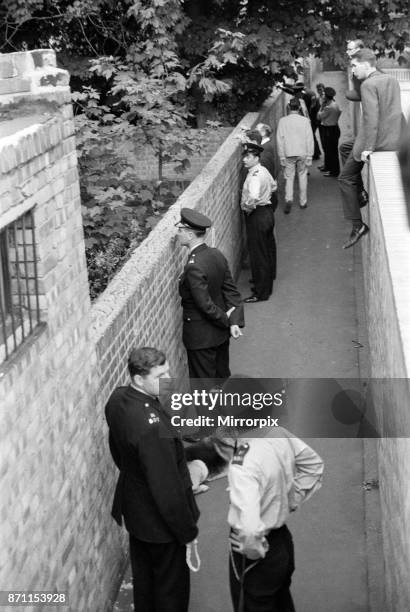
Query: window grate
19, 292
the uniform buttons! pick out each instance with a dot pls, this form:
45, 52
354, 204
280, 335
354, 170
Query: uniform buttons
188, 319
146, 405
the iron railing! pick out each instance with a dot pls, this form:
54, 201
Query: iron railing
19, 292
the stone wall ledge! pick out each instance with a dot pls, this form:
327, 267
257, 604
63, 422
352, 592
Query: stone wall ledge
30, 72
388, 219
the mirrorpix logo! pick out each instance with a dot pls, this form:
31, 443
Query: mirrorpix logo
217, 399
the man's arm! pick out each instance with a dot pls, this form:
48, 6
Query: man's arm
198, 285
157, 456
308, 473
232, 298
280, 141
310, 145
244, 494
366, 139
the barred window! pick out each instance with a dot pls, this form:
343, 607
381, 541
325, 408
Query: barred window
19, 296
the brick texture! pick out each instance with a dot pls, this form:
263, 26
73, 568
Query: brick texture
386, 263
56, 473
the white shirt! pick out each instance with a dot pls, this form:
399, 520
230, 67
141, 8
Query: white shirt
268, 479
257, 188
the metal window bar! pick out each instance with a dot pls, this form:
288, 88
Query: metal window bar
18, 284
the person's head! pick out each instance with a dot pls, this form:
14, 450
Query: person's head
253, 136
294, 105
251, 155
353, 46
146, 367
320, 88
363, 63
329, 93
264, 130
192, 227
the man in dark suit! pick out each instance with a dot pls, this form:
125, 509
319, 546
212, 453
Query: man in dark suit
379, 130
212, 305
268, 155
153, 492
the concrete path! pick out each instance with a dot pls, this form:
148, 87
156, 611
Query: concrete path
311, 328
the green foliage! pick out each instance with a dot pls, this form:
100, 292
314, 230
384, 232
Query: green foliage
256, 36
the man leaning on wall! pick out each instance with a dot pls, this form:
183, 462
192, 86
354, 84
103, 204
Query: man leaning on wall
153, 493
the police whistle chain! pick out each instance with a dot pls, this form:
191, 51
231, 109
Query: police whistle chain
189, 547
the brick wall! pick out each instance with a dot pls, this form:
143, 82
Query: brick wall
146, 164
57, 477
386, 261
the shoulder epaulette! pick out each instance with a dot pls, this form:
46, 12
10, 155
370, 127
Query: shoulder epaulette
240, 453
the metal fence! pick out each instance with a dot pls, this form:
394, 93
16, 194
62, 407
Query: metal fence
19, 293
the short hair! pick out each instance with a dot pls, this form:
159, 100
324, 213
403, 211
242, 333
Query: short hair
294, 104
253, 136
365, 55
329, 93
142, 360
320, 85
265, 127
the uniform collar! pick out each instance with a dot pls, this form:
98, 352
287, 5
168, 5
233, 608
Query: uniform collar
143, 393
199, 247
254, 168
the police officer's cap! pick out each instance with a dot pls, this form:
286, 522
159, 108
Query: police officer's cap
252, 147
195, 220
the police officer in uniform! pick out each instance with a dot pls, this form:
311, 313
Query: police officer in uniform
153, 492
212, 305
269, 477
260, 221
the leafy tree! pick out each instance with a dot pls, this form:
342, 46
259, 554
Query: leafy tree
259, 38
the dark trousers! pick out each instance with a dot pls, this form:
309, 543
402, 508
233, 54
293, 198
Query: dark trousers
316, 151
262, 249
210, 362
266, 585
350, 182
160, 576
330, 140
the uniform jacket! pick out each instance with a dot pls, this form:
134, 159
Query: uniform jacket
207, 292
381, 124
268, 157
294, 137
153, 492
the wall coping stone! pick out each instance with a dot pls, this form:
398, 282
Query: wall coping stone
396, 233
30, 71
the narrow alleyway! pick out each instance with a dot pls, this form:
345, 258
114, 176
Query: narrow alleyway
312, 327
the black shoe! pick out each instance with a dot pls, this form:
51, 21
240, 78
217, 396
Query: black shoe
303, 206
288, 206
253, 298
328, 173
322, 168
363, 198
356, 234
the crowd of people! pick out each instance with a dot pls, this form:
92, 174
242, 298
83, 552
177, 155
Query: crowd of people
269, 476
